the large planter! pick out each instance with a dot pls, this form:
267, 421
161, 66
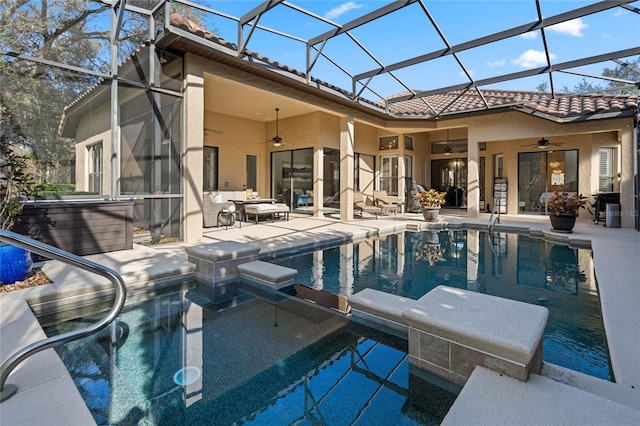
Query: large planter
79, 227
563, 222
15, 263
430, 214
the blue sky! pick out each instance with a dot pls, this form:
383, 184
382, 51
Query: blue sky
408, 33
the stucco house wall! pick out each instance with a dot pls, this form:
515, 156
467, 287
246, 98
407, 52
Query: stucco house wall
503, 132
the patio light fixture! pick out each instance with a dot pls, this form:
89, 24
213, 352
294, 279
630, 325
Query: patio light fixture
447, 149
277, 140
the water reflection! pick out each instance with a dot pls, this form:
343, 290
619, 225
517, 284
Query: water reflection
512, 266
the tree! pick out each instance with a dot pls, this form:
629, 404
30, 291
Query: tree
627, 71
542, 87
33, 95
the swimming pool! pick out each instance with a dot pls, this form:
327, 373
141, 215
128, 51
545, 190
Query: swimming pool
510, 265
202, 357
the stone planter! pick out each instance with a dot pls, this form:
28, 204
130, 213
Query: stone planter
430, 214
563, 222
15, 264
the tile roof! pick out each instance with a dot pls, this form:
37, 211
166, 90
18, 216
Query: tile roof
456, 102
563, 106
432, 106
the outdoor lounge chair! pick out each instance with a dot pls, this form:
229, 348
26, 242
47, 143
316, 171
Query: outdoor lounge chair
211, 205
385, 202
360, 205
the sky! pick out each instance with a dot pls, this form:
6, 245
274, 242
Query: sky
408, 33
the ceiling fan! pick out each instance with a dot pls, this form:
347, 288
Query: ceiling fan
543, 144
277, 140
448, 150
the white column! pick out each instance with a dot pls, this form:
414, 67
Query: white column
345, 273
627, 174
473, 248
473, 175
318, 183
192, 334
401, 169
346, 167
193, 107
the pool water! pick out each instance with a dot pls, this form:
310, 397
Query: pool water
191, 357
512, 266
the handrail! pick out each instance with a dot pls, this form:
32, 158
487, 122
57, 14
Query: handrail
42, 249
491, 222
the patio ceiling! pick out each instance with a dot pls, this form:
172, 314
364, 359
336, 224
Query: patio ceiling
373, 61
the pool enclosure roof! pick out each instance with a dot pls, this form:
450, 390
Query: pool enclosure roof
418, 58
412, 59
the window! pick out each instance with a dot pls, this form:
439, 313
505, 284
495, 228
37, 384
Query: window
606, 170
408, 166
497, 165
408, 142
210, 181
389, 174
252, 171
364, 174
388, 142
425, 172
95, 168
481, 177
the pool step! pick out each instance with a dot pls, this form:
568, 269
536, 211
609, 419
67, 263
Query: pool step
274, 277
218, 304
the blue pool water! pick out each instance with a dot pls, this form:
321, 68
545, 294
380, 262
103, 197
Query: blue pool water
506, 265
190, 357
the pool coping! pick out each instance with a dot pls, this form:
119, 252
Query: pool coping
616, 273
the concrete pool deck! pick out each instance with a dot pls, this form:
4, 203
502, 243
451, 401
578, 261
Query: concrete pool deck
47, 395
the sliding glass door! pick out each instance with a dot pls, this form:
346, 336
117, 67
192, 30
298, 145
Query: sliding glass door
450, 176
542, 173
292, 178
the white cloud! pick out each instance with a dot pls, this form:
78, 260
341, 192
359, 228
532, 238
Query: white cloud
573, 27
530, 35
620, 12
532, 58
606, 35
342, 9
499, 63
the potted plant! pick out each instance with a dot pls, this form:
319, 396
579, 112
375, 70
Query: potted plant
565, 208
15, 184
430, 203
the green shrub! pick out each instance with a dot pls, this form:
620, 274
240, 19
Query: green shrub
48, 189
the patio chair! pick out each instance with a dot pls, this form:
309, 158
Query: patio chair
385, 202
216, 212
287, 198
211, 205
360, 205
302, 200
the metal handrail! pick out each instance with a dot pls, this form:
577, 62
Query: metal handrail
491, 222
42, 249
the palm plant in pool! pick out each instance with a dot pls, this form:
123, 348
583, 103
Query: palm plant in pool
15, 184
